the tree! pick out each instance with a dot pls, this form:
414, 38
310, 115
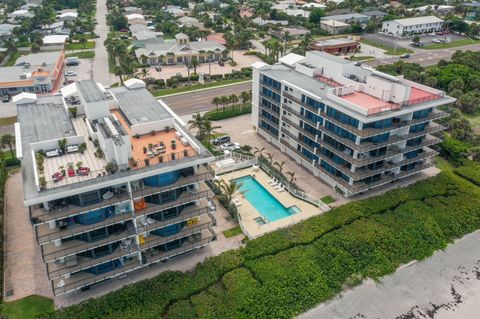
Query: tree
62, 144
229, 189
292, 177
144, 73
208, 129
119, 72
316, 15
234, 100
258, 150
197, 122
460, 128
469, 102
83, 41
279, 165
270, 157
474, 152
194, 64
456, 84
224, 102
216, 101
245, 96
416, 39
8, 140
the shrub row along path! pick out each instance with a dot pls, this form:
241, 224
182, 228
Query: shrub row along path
445, 286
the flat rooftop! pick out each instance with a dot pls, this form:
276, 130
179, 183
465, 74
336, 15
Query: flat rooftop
90, 91
139, 106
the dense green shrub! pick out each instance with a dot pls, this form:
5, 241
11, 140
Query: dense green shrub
470, 172
291, 270
228, 113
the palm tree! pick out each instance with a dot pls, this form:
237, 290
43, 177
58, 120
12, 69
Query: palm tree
233, 99
197, 122
144, 73
245, 96
216, 101
258, 150
292, 177
270, 157
224, 102
7, 140
279, 166
229, 189
119, 72
208, 129
194, 64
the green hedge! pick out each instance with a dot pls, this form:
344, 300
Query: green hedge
470, 172
368, 238
229, 112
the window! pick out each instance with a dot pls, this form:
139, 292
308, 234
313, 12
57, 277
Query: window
335, 158
417, 128
267, 127
379, 124
341, 132
422, 113
337, 145
332, 170
270, 117
415, 141
344, 118
271, 82
311, 116
309, 155
376, 139
313, 103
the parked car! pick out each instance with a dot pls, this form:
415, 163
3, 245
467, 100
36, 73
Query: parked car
70, 73
124, 37
405, 56
123, 30
416, 44
230, 146
441, 32
221, 63
158, 68
436, 40
221, 140
6, 98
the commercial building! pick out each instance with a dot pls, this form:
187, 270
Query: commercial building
333, 27
336, 46
180, 51
116, 186
412, 26
349, 18
353, 127
35, 73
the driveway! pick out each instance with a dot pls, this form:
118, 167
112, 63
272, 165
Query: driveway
243, 61
25, 273
241, 131
444, 286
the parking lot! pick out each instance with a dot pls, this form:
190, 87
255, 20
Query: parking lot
243, 61
83, 71
389, 41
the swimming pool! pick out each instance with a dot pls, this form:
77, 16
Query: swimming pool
261, 199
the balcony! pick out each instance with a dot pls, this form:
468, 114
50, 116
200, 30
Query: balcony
299, 141
154, 240
83, 279
202, 174
40, 216
184, 198
46, 235
269, 121
298, 128
73, 247
55, 271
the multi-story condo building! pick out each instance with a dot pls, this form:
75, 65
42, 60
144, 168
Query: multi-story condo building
113, 182
353, 127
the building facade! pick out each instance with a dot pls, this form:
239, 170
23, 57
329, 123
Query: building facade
412, 26
115, 188
355, 128
336, 46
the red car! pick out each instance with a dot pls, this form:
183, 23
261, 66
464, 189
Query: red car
71, 172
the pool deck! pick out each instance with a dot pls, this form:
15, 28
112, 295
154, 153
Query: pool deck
247, 213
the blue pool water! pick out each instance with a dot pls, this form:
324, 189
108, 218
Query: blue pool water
267, 205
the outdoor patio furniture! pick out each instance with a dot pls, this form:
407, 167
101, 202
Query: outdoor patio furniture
83, 171
71, 172
272, 181
237, 202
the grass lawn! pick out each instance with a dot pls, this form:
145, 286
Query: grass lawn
327, 199
78, 46
232, 232
474, 119
388, 50
8, 120
26, 308
13, 58
453, 44
82, 55
193, 87
443, 164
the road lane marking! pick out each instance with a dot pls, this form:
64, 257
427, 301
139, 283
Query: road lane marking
248, 132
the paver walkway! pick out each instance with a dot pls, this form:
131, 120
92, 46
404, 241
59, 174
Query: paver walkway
25, 273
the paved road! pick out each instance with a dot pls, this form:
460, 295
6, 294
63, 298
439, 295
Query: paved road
444, 286
190, 103
427, 57
100, 62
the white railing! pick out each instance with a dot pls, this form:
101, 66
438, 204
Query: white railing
239, 161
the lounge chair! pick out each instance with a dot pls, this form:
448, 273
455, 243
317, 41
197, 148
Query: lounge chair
271, 181
237, 202
279, 186
281, 189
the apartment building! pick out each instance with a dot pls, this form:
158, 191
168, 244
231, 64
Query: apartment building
113, 182
412, 26
353, 127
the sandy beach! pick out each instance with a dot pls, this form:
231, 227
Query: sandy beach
444, 286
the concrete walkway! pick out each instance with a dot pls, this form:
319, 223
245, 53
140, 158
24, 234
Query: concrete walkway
444, 286
25, 273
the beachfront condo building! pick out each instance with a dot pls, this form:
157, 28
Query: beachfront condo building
113, 182
353, 127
